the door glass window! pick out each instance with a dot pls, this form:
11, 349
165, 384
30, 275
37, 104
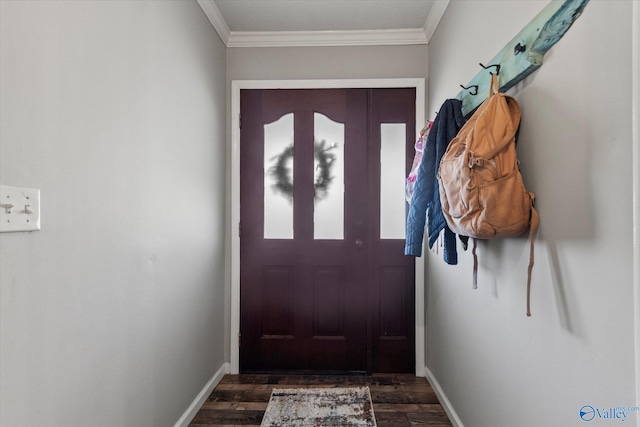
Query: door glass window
278, 178
328, 166
392, 180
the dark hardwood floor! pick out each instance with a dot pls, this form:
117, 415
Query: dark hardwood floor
398, 399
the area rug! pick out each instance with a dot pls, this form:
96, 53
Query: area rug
320, 407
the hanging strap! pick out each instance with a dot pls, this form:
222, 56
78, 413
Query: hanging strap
494, 87
475, 264
535, 219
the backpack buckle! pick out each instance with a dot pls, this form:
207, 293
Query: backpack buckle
475, 162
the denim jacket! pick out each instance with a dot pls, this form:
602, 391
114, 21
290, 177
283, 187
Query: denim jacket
426, 196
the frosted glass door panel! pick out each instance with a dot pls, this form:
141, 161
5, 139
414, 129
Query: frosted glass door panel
392, 180
278, 178
328, 209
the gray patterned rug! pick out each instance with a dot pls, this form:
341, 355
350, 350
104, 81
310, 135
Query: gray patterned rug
320, 407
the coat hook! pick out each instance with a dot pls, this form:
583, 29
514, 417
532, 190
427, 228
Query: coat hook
519, 48
475, 87
492, 65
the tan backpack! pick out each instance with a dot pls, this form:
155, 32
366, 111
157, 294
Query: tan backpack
481, 189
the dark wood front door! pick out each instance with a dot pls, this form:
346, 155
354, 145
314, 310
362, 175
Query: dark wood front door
324, 284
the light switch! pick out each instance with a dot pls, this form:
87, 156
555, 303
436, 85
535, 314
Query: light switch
19, 209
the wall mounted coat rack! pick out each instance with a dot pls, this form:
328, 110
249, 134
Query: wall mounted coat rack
524, 53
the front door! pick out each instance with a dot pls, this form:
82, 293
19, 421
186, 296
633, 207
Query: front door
324, 284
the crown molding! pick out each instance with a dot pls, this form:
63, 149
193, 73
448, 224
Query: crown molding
215, 17
326, 38
323, 38
433, 18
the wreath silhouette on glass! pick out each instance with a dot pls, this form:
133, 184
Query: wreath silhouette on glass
282, 175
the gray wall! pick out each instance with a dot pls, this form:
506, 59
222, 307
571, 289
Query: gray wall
497, 367
112, 314
346, 62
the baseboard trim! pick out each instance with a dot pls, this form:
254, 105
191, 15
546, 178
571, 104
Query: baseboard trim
195, 406
442, 397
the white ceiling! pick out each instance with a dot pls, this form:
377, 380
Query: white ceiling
323, 15
323, 22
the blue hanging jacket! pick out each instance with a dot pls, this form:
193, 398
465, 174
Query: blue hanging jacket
426, 196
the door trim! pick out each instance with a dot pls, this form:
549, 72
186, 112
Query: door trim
233, 220
635, 123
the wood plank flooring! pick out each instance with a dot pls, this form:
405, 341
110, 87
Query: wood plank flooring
398, 399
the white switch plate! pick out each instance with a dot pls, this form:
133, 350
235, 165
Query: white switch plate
19, 209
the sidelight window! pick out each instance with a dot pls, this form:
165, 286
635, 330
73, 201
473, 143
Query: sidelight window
392, 180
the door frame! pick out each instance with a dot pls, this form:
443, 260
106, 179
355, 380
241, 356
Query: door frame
233, 221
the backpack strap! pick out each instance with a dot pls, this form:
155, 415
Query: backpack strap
535, 219
475, 263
